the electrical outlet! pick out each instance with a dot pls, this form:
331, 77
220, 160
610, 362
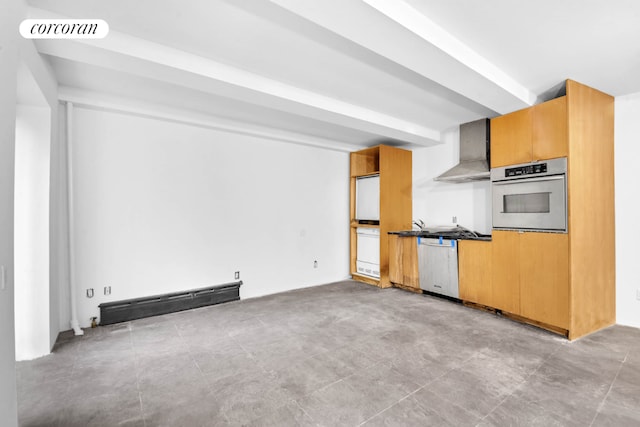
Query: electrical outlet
107, 290
638, 294
3, 278
90, 293
315, 264
237, 275
454, 219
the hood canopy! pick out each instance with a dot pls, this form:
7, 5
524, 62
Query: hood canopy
474, 154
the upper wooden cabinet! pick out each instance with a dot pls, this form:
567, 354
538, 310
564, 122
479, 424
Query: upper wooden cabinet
549, 136
394, 165
511, 138
535, 133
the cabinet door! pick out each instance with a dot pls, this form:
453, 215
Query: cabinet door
474, 258
410, 275
505, 261
544, 278
395, 259
511, 138
550, 137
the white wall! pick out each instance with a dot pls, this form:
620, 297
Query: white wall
9, 60
33, 132
437, 202
627, 153
37, 86
163, 207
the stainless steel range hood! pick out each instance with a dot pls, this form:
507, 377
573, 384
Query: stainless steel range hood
474, 154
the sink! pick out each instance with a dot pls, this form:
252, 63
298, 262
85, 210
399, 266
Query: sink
409, 233
455, 234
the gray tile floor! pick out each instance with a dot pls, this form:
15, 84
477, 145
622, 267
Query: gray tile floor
343, 354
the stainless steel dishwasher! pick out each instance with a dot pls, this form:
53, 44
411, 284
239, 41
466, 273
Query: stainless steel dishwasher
438, 266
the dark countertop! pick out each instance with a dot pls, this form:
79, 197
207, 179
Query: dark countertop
455, 235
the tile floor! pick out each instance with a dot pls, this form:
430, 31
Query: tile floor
343, 354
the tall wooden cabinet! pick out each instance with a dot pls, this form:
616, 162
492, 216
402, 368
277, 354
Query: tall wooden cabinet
394, 165
565, 281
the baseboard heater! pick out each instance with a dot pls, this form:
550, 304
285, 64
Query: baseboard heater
137, 308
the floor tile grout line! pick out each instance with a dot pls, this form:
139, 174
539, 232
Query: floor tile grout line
303, 410
475, 353
307, 356
195, 362
391, 406
522, 383
418, 389
249, 354
609, 390
137, 363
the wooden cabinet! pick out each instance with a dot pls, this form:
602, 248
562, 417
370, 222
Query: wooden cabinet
474, 271
591, 201
564, 281
395, 259
535, 133
511, 138
549, 135
394, 165
531, 276
544, 278
505, 286
410, 276
403, 261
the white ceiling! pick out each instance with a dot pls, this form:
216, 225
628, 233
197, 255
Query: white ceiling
343, 73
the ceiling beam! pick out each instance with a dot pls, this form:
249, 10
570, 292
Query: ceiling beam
395, 30
113, 103
411, 19
125, 53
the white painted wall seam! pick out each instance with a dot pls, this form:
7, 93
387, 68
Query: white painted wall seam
73, 293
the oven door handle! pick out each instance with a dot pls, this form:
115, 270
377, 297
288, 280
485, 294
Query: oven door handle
537, 179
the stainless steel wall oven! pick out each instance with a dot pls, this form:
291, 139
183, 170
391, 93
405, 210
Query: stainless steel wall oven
531, 196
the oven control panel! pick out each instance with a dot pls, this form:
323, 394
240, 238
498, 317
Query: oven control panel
526, 170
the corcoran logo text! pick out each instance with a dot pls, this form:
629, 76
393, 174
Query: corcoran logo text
64, 28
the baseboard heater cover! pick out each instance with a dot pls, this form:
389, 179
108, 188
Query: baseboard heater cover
137, 308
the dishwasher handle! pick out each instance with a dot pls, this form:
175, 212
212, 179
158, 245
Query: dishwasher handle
438, 245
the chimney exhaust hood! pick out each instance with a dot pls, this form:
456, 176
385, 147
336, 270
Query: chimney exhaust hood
474, 154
